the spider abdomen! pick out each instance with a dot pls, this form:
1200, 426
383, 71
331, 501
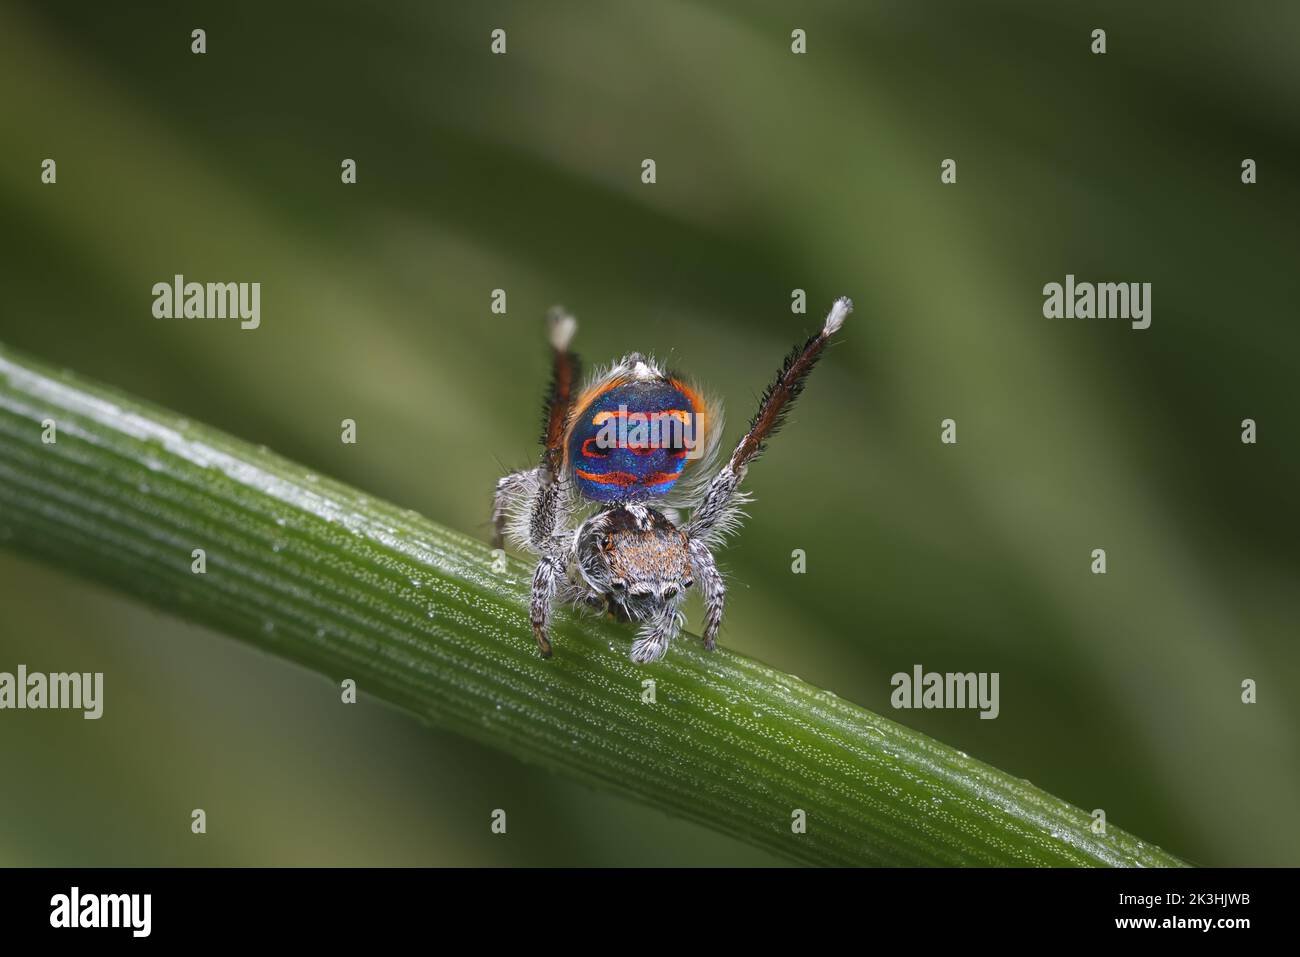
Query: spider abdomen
630, 437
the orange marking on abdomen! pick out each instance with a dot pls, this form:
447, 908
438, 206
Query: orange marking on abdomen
600, 418
608, 478
659, 478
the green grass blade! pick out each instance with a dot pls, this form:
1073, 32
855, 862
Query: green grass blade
350, 587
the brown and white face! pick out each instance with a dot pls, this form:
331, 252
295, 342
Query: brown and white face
642, 559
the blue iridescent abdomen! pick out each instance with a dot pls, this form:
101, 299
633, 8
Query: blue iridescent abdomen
633, 440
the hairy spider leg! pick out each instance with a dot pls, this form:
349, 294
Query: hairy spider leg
717, 510
550, 569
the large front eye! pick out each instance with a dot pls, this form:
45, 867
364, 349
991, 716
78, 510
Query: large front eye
618, 584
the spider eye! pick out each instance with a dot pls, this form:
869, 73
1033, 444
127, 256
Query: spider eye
618, 584
688, 582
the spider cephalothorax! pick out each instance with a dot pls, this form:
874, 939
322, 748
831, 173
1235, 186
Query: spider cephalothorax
619, 459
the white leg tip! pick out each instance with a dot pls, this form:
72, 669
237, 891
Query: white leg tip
560, 326
839, 312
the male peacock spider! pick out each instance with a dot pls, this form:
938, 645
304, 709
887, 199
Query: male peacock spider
622, 446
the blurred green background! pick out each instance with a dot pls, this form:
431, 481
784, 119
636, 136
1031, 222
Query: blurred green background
775, 171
